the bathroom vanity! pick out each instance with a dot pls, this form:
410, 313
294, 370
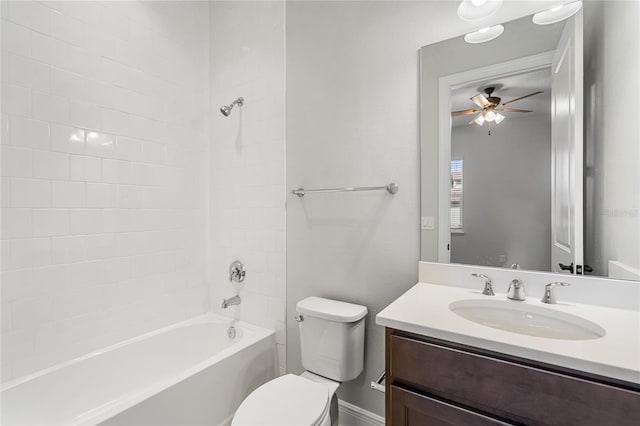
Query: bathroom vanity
433, 381
511, 362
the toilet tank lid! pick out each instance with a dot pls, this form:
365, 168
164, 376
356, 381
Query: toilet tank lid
329, 309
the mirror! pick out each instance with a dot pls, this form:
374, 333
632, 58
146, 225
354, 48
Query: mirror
547, 178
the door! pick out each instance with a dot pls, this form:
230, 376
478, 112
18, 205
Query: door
567, 151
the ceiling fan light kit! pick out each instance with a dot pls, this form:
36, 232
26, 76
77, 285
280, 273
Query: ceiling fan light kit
475, 10
484, 34
491, 106
557, 13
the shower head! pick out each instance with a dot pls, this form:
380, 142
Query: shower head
226, 109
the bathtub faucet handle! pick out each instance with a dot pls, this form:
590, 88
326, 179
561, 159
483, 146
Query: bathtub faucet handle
237, 272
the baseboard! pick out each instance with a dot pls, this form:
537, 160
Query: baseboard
352, 415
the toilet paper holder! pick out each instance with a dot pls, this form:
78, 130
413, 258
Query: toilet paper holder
379, 383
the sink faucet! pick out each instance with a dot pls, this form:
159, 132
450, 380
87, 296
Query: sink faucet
516, 290
488, 289
549, 296
235, 300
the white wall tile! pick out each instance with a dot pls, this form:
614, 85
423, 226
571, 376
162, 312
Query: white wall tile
129, 149
85, 221
68, 194
75, 76
84, 115
49, 50
16, 223
30, 252
27, 132
68, 84
17, 161
27, 72
153, 152
87, 169
68, 29
16, 38
101, 144
101, 195
4, 128
50, 108
50, 165
68, 249
16, 100
6, 192
67, 139
49, 222
100, 246
30, 193
115, 121
30, 14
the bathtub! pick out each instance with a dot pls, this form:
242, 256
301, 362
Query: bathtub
190, 373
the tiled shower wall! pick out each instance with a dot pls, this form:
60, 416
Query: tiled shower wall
247, 207
104, 148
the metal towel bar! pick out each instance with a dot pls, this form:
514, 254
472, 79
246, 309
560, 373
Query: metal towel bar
391, 188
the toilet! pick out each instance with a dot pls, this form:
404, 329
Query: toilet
332, 349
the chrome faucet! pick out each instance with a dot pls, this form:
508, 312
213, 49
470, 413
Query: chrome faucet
235, 300
516, 290
488, 289
549, 296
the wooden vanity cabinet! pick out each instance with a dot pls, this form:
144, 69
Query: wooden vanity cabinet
434, 382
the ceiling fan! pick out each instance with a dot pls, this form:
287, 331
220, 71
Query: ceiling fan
491, 107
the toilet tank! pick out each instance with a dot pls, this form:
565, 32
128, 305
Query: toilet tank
331, 337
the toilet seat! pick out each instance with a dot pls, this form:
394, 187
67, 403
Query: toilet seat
286, 400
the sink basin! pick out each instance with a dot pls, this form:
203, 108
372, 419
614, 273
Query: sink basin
518, 317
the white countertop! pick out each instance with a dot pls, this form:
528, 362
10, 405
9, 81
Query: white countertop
424, 309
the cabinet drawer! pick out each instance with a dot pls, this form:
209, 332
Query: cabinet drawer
508, 390
410, 408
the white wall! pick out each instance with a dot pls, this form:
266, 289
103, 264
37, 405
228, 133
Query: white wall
612, 150
247, 162
507, 193
352, 119
103, 134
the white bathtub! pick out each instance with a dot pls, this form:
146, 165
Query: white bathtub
189, 373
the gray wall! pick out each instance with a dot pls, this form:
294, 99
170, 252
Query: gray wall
352, 119
451, 57
612, 154
507, 193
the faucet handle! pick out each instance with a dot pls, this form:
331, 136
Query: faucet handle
549, 296
488, 289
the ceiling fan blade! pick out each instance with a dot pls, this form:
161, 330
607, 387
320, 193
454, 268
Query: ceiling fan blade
481, 101
522, 97
514, 110
464, 112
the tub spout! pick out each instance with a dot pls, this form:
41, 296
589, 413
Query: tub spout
235, 300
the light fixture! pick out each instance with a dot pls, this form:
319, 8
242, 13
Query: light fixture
475, 10
557, 13
484, 34
479, 120
489, 115
499, 118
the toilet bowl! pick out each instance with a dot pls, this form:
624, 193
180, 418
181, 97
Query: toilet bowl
292, 400
332, 350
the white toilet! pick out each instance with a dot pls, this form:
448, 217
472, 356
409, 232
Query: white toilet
332, 348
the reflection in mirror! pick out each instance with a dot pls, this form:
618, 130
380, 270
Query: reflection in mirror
530, 148
501, 174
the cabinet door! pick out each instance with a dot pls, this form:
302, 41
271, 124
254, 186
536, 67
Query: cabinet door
413, 409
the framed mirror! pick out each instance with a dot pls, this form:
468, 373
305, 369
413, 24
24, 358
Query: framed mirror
530, 146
